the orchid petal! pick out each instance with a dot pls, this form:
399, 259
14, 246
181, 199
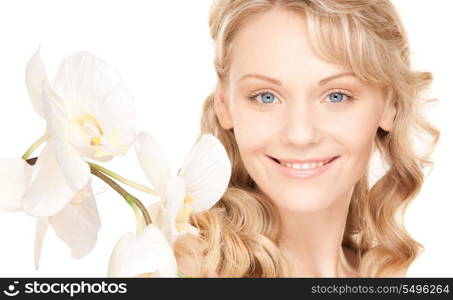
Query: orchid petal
206, 172
146, 252
159, 218
153, 161
35, 75
176, 192
115, 143
88, 85
155, 212
48, 192
15, 175
74, 168
78, 223
42, 223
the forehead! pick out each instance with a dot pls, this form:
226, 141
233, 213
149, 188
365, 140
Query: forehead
276, 43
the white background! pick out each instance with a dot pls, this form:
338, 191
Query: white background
163, 51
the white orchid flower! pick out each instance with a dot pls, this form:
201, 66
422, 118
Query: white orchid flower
146, 254
199, 184
89, 112
77, 224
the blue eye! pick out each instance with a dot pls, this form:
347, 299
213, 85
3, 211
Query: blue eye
338, 97
266, 97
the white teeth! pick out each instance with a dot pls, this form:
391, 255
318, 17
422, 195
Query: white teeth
304, 166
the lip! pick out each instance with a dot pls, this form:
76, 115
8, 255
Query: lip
304, 174
296, 161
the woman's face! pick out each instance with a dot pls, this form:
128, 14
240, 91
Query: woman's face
292, 113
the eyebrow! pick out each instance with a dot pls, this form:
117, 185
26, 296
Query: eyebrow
278, 82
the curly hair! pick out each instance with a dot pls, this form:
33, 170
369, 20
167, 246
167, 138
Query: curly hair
239, 235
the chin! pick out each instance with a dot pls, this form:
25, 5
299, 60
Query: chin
303, 202
305, 207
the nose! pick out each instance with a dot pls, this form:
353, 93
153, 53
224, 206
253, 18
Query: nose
300, 126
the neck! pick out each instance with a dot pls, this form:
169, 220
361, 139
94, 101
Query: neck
313, 241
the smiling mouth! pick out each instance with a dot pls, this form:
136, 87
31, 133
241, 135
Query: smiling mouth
304, 166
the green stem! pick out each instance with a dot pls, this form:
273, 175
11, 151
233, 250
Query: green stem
123, 180
131, 200
142, 209
138, 216
182, 275
35, 146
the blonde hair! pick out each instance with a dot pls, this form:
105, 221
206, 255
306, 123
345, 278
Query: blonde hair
239, 235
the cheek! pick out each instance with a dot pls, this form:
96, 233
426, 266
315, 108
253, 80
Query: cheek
253, 131
357, 135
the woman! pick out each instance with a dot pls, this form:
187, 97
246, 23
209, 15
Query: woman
307, 91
